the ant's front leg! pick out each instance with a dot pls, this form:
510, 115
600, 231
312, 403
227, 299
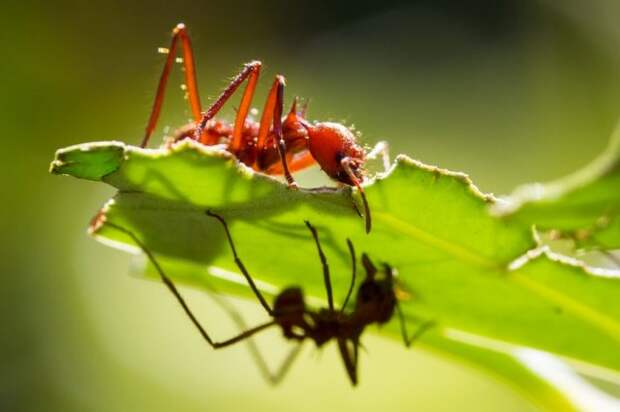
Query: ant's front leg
423, 328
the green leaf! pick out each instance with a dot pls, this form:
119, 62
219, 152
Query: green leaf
92, 161
463, 267
607, 233
583, 203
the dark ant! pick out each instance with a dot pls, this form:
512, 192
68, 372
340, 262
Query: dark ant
375, 303
276, 145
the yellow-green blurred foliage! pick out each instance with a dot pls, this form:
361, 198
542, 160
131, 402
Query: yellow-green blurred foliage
509, 91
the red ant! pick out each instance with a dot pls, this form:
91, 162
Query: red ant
375, 303
275, 145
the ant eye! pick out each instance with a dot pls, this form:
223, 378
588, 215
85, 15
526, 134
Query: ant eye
339, 156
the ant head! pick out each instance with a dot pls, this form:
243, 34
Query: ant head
375, 297
335, 149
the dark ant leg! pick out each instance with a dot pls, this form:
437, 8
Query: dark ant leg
326, 277
261, 364
179, 33
282, 370
240, 265
409, 340
244, 335
251, 72
168, 282
354, 266
272, 114
346, 165
350, 361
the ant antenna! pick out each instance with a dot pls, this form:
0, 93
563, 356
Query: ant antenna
371, 269
326, 277
353, 264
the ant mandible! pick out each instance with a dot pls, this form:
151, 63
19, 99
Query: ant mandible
275, 145
375, 303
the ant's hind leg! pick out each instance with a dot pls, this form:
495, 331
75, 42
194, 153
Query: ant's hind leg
178, 33
381, 148
168, 282
424, 327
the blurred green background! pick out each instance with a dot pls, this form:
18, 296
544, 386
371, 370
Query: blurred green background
508, 91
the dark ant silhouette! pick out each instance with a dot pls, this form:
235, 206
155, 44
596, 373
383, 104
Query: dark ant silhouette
375, 303
276, 145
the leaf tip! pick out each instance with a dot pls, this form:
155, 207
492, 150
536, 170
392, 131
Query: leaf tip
91, 161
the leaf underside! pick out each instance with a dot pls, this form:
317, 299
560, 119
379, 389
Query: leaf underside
453, 257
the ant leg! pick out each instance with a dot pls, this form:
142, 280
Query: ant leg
240, 265
267, 115
349, 360
346, 165
251, 72
260, 362
243, 335
353, 264
272, 114
178, 33
409, 340
326, 277
168, 282
303, 160
381, 148
285, 366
